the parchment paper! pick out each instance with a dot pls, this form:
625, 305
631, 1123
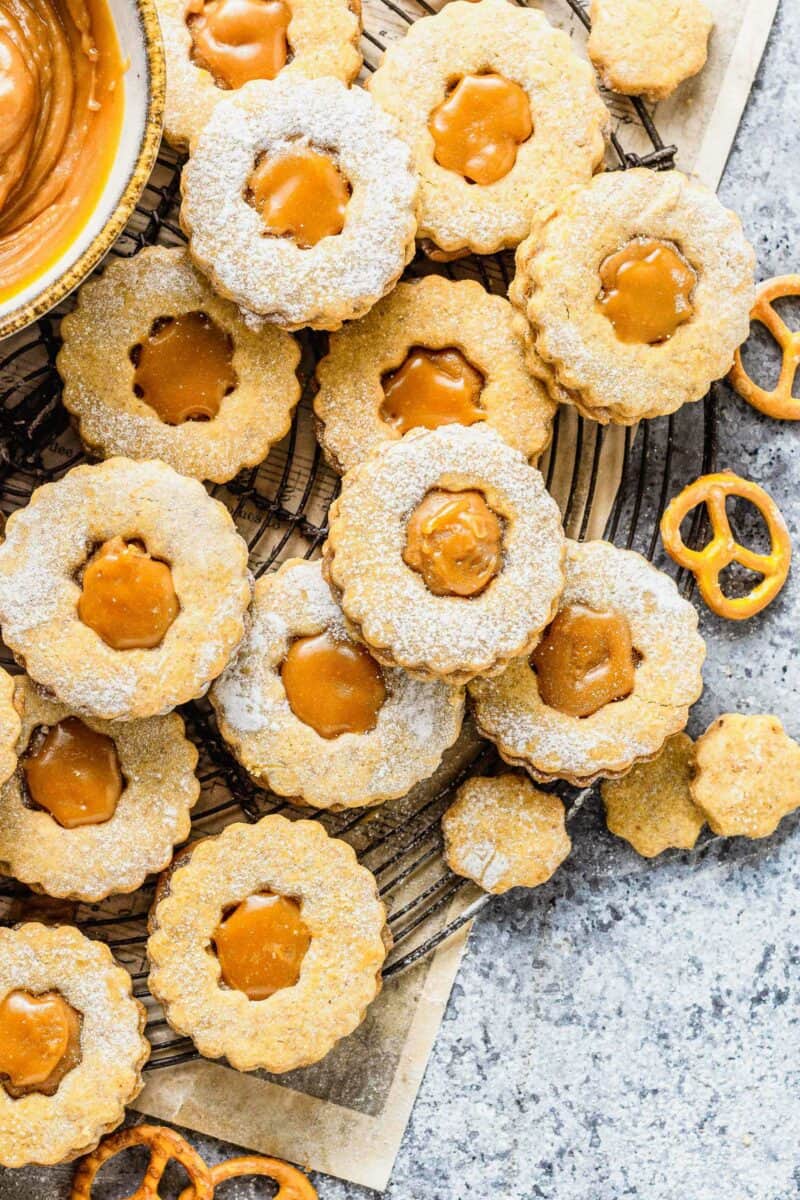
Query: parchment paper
346, 1117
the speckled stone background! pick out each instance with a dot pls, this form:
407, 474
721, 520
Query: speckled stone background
631, 1030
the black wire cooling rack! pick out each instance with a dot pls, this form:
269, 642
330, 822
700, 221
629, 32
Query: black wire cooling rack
281, 509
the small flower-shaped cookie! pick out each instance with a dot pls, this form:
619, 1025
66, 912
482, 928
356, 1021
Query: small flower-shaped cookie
747, 776
651, 807
503, 833
642, 48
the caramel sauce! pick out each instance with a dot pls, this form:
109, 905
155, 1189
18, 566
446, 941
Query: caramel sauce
127, 598
40, 1042
61, 107
73, 772
455, 541
646, 291
184, 368
334, 686
479, 126
300, 195
432, 388
585, 661
261, 945
239, 40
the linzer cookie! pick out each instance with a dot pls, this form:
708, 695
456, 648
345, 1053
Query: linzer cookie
445, 552
94, 806
652, 806
123, 588
267, 944
747, 775
311, 714
71, 1044
215, 46
503, 832
300, 202
646, 49
156, 365
500, 115
637, 291
611, 679
433, 352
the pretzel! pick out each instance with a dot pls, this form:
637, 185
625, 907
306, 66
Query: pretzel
723, 549
292, 1184
780, 402
164, 1145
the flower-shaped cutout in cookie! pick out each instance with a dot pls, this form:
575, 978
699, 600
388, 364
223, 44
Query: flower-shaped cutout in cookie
585, 660
647, 291
479, 126
239, 40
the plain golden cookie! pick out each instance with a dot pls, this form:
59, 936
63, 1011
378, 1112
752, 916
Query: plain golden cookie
433, 314
647, 48
321, 39
652, 807
568, 117
559, 291
747, 776
90, 1099
502, 832
114, 318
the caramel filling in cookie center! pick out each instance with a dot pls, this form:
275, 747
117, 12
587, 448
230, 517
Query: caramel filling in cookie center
479, 126
334, 686
127, 597
184, 368
301, 195
646, 291
73, 772
261, 945
432, 388
584, 661
40, 1042
455, 541
239, 40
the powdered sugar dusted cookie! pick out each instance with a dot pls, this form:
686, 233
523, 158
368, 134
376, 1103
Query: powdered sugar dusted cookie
300, 202
311, 714
648, 47
503, 833
747, 776
651, 807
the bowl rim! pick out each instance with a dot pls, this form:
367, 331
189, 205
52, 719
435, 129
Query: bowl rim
143, 164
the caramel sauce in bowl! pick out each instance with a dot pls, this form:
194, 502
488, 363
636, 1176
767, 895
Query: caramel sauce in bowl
81, 109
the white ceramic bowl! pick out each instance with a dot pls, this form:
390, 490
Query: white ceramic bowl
139, 35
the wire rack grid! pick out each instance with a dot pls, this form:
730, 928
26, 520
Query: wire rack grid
281, 509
